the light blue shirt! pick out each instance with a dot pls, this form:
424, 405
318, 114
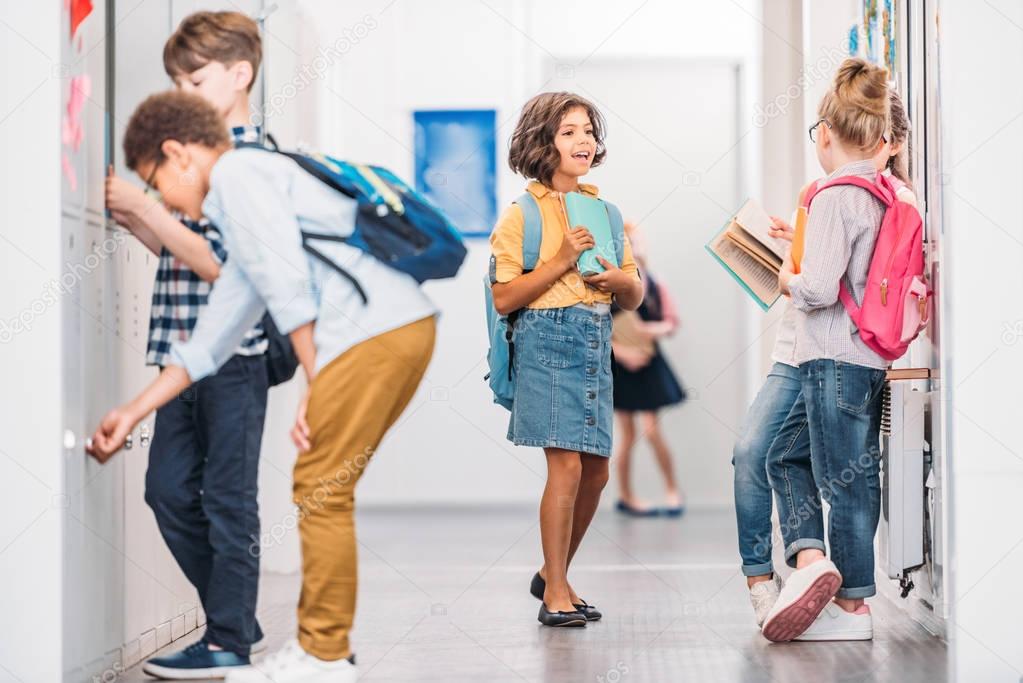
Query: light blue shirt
261, 202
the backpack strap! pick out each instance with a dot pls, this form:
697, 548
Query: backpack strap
307, 237
880, 188
617, 230
304, 162
851, 307
309, 167
532, 235
532, 230
811, 190
885, 193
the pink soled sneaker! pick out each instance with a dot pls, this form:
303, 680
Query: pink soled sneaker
805, 594
834, 623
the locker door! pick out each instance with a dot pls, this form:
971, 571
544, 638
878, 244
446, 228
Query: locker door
79, 649
141, 535
142, 28
93, 521
90, 57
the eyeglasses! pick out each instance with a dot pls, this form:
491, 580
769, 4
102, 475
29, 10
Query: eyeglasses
813, 128
151, 189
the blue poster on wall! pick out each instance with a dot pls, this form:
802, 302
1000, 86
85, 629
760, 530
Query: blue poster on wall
456, 166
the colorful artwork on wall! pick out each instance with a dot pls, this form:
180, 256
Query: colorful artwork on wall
879, 33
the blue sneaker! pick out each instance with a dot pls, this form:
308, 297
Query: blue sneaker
195, 662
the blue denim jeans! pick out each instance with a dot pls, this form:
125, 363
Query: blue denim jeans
763, 423
841, 406
201, 485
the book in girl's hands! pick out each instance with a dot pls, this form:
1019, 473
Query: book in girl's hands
750, 255
798, 237
591, 214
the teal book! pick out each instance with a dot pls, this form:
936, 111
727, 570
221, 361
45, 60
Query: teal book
591, 214
749, 254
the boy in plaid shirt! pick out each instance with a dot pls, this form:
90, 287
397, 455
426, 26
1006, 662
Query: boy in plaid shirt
203, 463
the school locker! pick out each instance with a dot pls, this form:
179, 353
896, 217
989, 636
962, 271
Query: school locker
92, 495
142, 29
91, 58
148, 582
157, 595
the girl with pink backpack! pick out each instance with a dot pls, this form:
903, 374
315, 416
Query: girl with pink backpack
861, 271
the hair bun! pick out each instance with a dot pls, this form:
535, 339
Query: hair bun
862, 85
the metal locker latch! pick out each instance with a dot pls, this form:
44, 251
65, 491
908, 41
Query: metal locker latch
127, 442
144, 435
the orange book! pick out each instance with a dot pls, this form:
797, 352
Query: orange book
799, 238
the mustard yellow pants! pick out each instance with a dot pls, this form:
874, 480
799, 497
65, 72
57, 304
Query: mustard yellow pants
354, 400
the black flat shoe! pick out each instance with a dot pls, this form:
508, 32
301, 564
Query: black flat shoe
537, 587
571, 619
631, 511
589, 611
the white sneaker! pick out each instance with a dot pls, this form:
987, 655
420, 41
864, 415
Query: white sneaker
763, 595
834, 623
806, 592
258, 646
292, 664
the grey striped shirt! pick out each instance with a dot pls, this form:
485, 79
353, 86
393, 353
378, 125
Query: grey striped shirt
840, 236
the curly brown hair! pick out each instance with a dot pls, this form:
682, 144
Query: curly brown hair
171, 115
204, 37
532, 151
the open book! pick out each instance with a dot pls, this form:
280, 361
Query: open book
748, 252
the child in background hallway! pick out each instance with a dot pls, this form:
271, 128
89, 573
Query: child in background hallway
841, 379
363, 359
204, 460
562, 337
776, 398
644, 384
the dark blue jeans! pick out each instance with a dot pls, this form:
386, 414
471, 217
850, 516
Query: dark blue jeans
201, 485
841, 406
762, 425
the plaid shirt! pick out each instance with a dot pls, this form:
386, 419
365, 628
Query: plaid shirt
179, 294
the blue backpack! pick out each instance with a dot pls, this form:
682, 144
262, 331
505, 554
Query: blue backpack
500, 328
393, 222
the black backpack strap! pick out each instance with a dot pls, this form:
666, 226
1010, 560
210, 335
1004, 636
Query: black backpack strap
307, 237
508, 333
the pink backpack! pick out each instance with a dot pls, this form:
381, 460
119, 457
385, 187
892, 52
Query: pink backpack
897, 298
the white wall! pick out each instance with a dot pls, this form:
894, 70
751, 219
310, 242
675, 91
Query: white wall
89, 585
981, 55
450, 447
30, 363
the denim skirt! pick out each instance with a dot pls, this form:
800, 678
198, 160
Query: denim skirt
563, 383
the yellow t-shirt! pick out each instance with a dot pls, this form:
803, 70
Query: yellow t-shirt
506, 247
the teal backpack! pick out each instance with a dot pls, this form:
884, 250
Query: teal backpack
500, 328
